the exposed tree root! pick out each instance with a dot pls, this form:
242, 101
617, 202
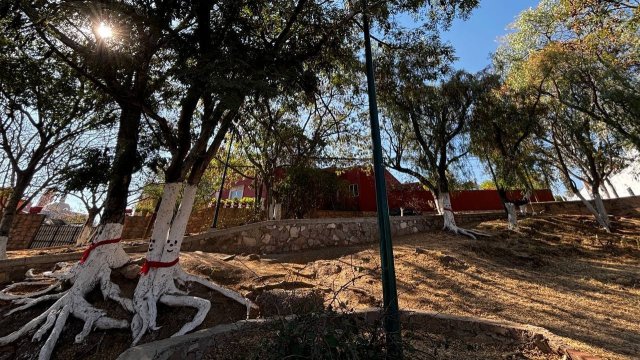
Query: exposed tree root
466, 232
160, 274
7, 296
166, 292
449, 220
96, 270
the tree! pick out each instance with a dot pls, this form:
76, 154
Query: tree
39, 134
502, 128
585, 54
429, 129
580, 149
305, 188
86, 179
582, 57
126, 69
296, 131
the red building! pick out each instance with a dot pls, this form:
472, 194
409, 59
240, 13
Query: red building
361, 195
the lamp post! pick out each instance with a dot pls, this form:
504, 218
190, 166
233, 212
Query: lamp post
389, 292
224, 177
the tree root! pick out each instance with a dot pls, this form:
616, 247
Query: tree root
6, 296
84, 277
70, 302
168, 294
466, 232
28, 303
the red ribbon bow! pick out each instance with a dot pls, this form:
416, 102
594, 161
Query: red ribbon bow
86, 253
156, 264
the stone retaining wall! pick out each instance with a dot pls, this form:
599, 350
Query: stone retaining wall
282, 236
23, 230
264, 237
626, 206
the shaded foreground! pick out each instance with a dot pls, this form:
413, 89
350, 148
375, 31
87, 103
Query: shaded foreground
555, 272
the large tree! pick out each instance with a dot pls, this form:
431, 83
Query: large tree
586, 55
114, 46
503, 126
580, 149
428, 131
39, 133
189, 68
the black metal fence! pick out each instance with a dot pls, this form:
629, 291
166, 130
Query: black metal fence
55, 235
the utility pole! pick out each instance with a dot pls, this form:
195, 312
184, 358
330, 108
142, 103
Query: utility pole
389, 291
224, 177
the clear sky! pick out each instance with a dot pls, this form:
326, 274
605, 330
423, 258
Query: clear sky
477, 37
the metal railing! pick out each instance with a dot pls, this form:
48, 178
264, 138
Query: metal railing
55, 235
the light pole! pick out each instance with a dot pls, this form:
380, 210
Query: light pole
389, 291
224, 177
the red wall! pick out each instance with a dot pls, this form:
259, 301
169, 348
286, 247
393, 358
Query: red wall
409, 196
414, 196
366, 201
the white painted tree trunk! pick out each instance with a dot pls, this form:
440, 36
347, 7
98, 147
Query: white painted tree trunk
84, 276
158, 284
602, 211
437, 202
602, 220
3, 247
449, 219
512, 215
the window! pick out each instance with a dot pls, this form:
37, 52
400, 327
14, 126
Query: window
353, 190
236, 192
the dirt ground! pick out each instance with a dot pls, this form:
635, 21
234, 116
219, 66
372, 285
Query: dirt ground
557, 272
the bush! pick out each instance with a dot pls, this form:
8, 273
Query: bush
306, 188
326, 335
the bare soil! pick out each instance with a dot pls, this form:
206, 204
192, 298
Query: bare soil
556, 272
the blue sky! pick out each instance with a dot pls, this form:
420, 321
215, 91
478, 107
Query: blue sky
477, 37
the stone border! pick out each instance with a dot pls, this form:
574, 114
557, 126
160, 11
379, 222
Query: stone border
282, 236
192, 346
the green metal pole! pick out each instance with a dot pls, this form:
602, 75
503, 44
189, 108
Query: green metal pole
224, 177
389, 291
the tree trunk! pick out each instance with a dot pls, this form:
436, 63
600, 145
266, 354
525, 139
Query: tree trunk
449, 219
157, 282
87, 228
436, 202
10, 211
603, 221
123, 166
444, 205
602, 211
512, 215
104, 254
613, 189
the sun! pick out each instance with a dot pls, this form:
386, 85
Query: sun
104, 31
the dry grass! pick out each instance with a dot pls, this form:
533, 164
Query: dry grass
552, 273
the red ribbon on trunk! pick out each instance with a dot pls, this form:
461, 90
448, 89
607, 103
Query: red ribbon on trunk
86, 253
156, 264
